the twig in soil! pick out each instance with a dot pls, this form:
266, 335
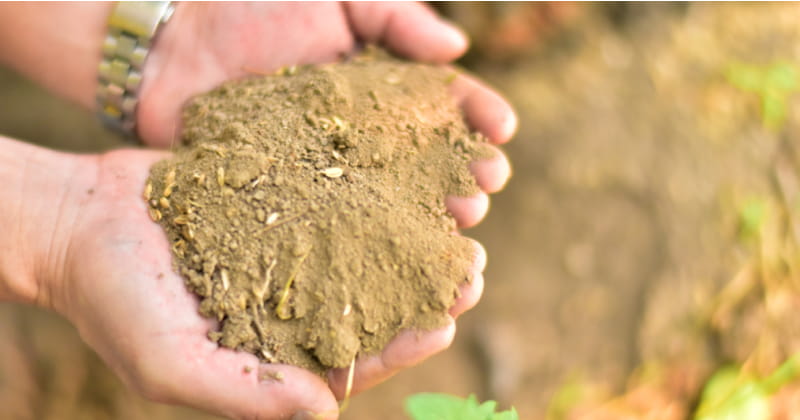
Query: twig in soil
221, 176
349, 387
259, 329
267, 355
259, 293
226, 283
286, 220
281, 309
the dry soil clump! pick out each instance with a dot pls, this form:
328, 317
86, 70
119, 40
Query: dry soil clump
306, 208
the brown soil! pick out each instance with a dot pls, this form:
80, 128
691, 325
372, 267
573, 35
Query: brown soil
307, 207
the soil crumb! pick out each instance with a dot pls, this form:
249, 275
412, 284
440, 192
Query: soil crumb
306, 208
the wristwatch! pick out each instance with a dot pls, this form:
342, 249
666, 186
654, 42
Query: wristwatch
131, 29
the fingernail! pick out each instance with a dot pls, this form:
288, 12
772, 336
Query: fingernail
304, 415
458, 37
510, 125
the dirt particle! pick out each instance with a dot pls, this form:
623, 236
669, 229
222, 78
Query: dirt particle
155, 215
333, 172
221, 177
270, 376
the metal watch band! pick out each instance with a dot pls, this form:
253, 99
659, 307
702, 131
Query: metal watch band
131, 29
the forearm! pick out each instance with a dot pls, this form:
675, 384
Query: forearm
57, 45
39, 205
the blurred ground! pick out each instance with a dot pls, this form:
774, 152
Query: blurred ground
648, 236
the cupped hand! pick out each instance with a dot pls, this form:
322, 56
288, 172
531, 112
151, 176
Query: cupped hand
120, 289
115, 282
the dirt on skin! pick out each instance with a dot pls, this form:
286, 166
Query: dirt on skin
307, 208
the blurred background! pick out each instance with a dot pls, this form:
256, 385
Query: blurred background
649, 236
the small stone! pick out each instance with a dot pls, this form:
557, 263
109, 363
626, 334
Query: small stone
333, 172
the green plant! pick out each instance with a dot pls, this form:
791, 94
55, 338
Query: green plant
774, 84
430, 406
569, 395
732, 394
752, 215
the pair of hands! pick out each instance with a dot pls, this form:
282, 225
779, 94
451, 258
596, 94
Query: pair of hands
108, 267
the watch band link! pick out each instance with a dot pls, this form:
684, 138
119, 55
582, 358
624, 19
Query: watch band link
132, 27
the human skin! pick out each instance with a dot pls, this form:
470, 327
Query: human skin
76, 235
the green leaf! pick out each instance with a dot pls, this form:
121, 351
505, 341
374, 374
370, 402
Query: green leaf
746, 78
483, 411
774, 84
751, 217
568, 395
782, 76
731, 395
507, 415
431, 406
774, 108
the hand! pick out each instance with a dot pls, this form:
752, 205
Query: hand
107, 268
112, 277
231, 42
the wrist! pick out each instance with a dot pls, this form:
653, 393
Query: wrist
34, 36
40, 205
57, 45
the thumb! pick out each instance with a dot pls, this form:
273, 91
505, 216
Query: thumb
408, 28
236, 385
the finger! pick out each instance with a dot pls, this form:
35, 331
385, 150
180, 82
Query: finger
468, 211
409, 29
470, 295
236, 385
486, 111
493, 173
471, 292
407, 349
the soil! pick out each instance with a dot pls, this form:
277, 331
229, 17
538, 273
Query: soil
307, 207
